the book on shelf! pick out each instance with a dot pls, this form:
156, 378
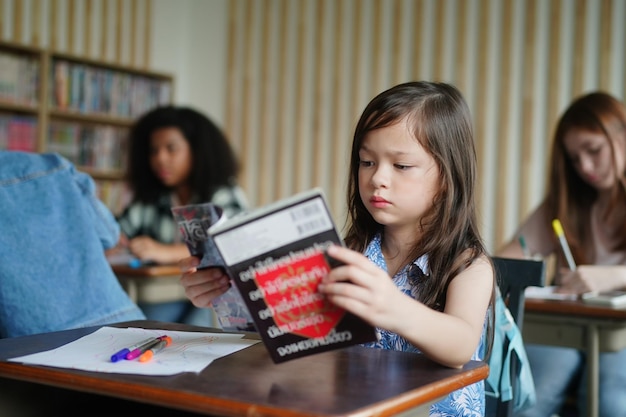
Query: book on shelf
18, 133
90, 89
115, 194
96, 147
19, 78
61, 84
276, 257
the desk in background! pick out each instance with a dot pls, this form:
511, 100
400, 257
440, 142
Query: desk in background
354, 381
151, 283
575, 324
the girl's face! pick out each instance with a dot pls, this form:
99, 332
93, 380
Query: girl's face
590, 153
398, 179
170, 156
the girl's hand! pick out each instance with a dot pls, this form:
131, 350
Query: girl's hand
363, 289
145, 248
588, 278
202, 286
449, 337
571, 282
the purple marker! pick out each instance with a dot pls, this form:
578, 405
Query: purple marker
122, 353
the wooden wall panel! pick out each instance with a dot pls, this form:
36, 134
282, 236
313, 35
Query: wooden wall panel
75, 27
511, 62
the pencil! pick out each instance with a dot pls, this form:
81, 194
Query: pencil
522, 243
558, 229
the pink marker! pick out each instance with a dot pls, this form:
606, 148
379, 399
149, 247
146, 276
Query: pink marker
141, 349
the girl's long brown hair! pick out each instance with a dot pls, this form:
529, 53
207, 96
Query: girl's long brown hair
442, 125
568, 197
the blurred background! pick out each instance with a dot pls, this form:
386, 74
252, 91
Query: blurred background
287, 79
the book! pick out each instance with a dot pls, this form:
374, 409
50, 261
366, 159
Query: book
615, 298
275, 256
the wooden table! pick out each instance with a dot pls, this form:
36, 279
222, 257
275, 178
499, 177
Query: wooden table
574, 324
151, 283
354, 381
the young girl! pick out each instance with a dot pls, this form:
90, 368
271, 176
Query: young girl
424, 279
586, 192
177, 157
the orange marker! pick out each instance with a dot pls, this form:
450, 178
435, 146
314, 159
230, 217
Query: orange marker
148, 354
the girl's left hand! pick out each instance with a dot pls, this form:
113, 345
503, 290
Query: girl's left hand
144, 248
202, 286
363, 289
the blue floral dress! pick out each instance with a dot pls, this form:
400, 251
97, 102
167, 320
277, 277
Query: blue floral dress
465, 402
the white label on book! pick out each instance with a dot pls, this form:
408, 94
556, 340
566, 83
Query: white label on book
273, 231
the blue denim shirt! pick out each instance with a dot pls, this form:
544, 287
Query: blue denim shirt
53, 232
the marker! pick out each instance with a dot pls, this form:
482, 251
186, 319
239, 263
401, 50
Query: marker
141, 349
148, 354
122, 353
558, 229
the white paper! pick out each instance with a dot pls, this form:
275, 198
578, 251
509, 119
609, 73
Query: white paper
285, 226
548, 293
188, 352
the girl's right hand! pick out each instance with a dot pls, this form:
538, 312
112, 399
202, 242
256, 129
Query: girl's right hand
202, 286
592, 278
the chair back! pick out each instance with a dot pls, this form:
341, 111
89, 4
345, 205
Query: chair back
512, 277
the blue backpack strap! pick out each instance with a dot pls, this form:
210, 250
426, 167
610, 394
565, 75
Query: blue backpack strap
506, 387
525, 394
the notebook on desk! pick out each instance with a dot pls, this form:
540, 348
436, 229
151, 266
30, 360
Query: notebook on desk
547, 293
615, 298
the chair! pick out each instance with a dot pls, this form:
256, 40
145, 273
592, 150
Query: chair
512, 277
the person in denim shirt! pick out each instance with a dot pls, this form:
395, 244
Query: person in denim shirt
54, 274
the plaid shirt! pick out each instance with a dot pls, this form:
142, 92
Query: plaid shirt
156, 221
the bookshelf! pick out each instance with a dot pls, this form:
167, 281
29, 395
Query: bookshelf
80, 108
